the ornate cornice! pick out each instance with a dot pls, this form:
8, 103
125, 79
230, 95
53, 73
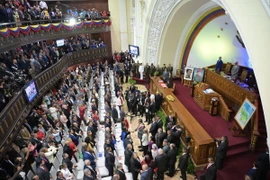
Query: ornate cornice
158, 19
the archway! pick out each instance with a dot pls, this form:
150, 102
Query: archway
166, 43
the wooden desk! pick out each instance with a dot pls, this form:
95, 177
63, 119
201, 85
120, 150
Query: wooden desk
202, 144
229, 90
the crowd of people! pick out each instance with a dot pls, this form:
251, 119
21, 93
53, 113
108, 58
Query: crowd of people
18, 11
20, 65
126, 68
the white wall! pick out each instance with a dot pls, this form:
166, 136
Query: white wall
207, 47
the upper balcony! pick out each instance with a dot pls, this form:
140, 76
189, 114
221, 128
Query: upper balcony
13, 37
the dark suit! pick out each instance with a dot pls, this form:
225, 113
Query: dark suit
121, 174
135, 167
153, 129
93, 172
109, 162
43, 173
159, 123
210, 173
90, 157
183, 164
128, 155
69, 163
221, 153
161, 163
114, 115
172, 160
147, 175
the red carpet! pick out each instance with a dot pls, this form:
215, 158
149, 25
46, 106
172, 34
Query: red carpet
239, 160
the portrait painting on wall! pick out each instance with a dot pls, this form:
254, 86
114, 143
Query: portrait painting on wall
188, 73
198, 75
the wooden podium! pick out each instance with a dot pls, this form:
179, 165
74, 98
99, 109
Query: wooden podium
203, 99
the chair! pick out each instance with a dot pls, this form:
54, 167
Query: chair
228, 68
178, 74
30, 174
244, 75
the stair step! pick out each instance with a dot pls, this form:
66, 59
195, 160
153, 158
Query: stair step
237, 151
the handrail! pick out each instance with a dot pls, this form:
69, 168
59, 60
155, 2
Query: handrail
255, 128
224, 111
32, 22
14, 114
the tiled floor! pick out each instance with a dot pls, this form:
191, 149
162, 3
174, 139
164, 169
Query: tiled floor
136, 142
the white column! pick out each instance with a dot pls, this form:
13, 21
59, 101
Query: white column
123, 25
138, 27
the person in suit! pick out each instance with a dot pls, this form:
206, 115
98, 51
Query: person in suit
109, 160
263, 166
153, 128
183, 163
171, 159
252, 173
90, 156
128, 154
146, 172
88, 166
210, 170
68, 162
114, 114
234, 71
219, 65
8, 165
221, 152
159, 122
43, 172
135, 166
120, 171
87, 175
159, 137
161, 164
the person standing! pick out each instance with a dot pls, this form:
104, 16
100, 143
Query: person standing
146, 172
161, 164
210, 171
109, 160
128, 154
135, 166
235, 70
221, 152
145, 141
172, 159
219, 65
114, 114
183, 164
120, 171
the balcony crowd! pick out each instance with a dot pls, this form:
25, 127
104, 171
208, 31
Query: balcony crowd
28, 61
17, 11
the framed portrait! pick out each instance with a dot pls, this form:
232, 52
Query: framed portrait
198, 74
188, 73
245, 113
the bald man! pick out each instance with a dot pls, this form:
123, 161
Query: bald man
161, 163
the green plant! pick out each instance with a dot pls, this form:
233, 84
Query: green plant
156, 73
132, 81
162, 115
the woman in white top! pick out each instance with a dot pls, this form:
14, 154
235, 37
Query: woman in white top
154, 151
145, 141
66, 173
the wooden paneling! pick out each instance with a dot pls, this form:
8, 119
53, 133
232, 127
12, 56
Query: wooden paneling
227, 88
202, 144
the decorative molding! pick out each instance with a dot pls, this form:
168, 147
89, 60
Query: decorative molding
158, 19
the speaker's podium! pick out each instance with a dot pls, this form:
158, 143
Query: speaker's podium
203, 96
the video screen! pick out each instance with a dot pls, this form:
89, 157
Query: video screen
30, 91
134, 50
60, 42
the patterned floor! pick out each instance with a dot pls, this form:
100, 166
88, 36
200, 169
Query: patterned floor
136, 142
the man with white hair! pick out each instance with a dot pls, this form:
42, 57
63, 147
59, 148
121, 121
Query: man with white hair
87, 175
87, 165
161, 164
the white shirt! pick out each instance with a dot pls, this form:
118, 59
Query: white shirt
43, 5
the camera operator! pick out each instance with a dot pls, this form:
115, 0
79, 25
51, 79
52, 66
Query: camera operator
221, 152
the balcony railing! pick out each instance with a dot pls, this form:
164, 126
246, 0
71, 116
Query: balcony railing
14, 114
33, 31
